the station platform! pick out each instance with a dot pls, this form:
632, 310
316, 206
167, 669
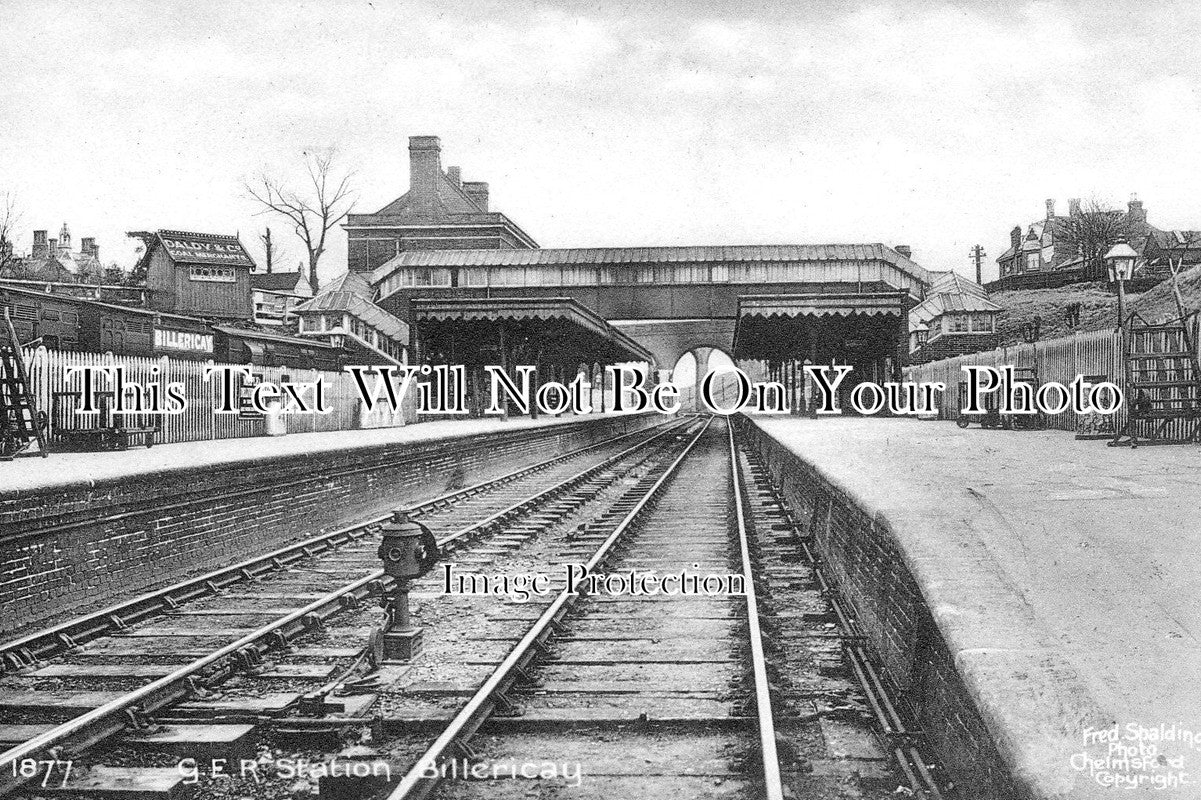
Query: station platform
1064, 577
82, 530
32, 473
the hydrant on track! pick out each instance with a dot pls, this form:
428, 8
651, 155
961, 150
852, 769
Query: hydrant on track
408, 550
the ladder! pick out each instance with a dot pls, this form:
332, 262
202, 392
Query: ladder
19, 422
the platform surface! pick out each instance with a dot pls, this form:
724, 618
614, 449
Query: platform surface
63, 469
1065, 575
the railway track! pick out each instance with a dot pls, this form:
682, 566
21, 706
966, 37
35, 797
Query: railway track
106, 677
752, 682
745, 689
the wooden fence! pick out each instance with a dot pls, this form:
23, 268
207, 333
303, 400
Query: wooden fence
1059, 360
57, 389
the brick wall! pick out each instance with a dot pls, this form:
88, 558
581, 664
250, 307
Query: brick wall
862, 558
85, 546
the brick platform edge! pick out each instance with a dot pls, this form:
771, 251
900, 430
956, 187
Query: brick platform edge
92, 544
1002, 712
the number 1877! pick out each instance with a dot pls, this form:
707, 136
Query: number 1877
30, 768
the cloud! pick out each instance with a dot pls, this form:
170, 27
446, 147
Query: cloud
940, 124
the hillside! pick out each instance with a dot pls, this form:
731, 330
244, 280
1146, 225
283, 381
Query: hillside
1098, 307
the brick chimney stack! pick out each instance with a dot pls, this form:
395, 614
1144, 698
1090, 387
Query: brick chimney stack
478, 192
1074, 207
425, 170
87, 246
1136, 212
41, 247
1050, 207
455, 175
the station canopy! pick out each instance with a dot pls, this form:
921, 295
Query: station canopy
530, 330
820, 325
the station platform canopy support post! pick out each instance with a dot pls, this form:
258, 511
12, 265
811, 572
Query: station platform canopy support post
866, 331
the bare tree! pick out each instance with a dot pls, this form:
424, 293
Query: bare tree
10, 218
1091, 230
323, 203
268, 250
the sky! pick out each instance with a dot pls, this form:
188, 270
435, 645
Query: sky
937, 125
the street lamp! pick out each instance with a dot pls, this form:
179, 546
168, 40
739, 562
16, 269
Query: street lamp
1119, 264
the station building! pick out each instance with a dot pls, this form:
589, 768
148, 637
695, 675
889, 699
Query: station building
474, 288
955, 318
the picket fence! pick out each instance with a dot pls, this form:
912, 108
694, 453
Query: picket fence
56, 392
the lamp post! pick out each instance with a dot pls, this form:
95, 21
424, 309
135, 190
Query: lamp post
1119, 265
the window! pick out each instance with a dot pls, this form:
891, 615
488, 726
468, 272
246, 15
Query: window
214, 274
982, 323
957, 323
1032, 262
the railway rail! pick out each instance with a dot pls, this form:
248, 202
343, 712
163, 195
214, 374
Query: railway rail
757, 683
723, 695
291, 574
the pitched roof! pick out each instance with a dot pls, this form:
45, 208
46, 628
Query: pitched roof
353, 282
650, 255
950, 303
950, 282
450, 196
275, 281
358, 306
1181, 245
185, 247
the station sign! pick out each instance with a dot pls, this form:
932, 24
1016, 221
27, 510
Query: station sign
204, 249
182, 341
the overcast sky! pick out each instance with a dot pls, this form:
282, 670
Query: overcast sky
929, 124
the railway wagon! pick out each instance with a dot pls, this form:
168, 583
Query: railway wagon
242, 346
58, 322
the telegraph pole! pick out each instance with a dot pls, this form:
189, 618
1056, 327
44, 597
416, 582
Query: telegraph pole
978, 254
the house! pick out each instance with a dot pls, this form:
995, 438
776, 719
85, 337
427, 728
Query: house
344, 314
1164, 249
203, 274
1041, 255
955, 318
53, 260
276, 296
